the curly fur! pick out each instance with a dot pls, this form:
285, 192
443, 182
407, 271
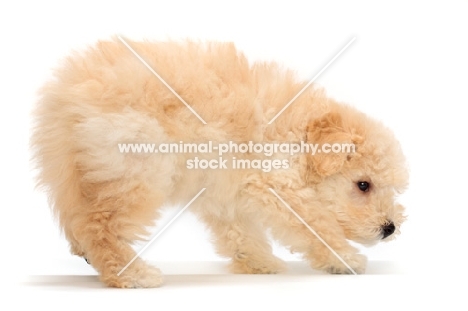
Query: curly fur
105, 200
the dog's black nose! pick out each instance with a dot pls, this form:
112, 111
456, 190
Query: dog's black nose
388, 230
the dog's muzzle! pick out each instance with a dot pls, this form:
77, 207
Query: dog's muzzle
387, 230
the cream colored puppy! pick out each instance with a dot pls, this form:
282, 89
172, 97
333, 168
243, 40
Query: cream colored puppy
105, 198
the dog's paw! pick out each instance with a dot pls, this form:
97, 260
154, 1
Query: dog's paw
135, 276
243, 264
357, 262
333, 265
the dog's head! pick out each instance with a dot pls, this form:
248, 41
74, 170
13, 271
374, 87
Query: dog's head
361, 175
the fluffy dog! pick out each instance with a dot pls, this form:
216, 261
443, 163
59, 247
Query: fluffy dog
106, 199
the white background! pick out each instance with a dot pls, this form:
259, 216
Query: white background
407, 67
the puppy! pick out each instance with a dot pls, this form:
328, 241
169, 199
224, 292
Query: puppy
105, 198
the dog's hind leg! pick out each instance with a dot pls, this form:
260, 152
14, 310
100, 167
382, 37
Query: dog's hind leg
106, 228
117, 195
244, 240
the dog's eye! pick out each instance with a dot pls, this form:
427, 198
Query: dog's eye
363, 186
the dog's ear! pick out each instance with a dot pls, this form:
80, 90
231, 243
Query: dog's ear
326, 131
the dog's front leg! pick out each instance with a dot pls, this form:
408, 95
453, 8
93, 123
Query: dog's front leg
332, 253
321, 239
242, 238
